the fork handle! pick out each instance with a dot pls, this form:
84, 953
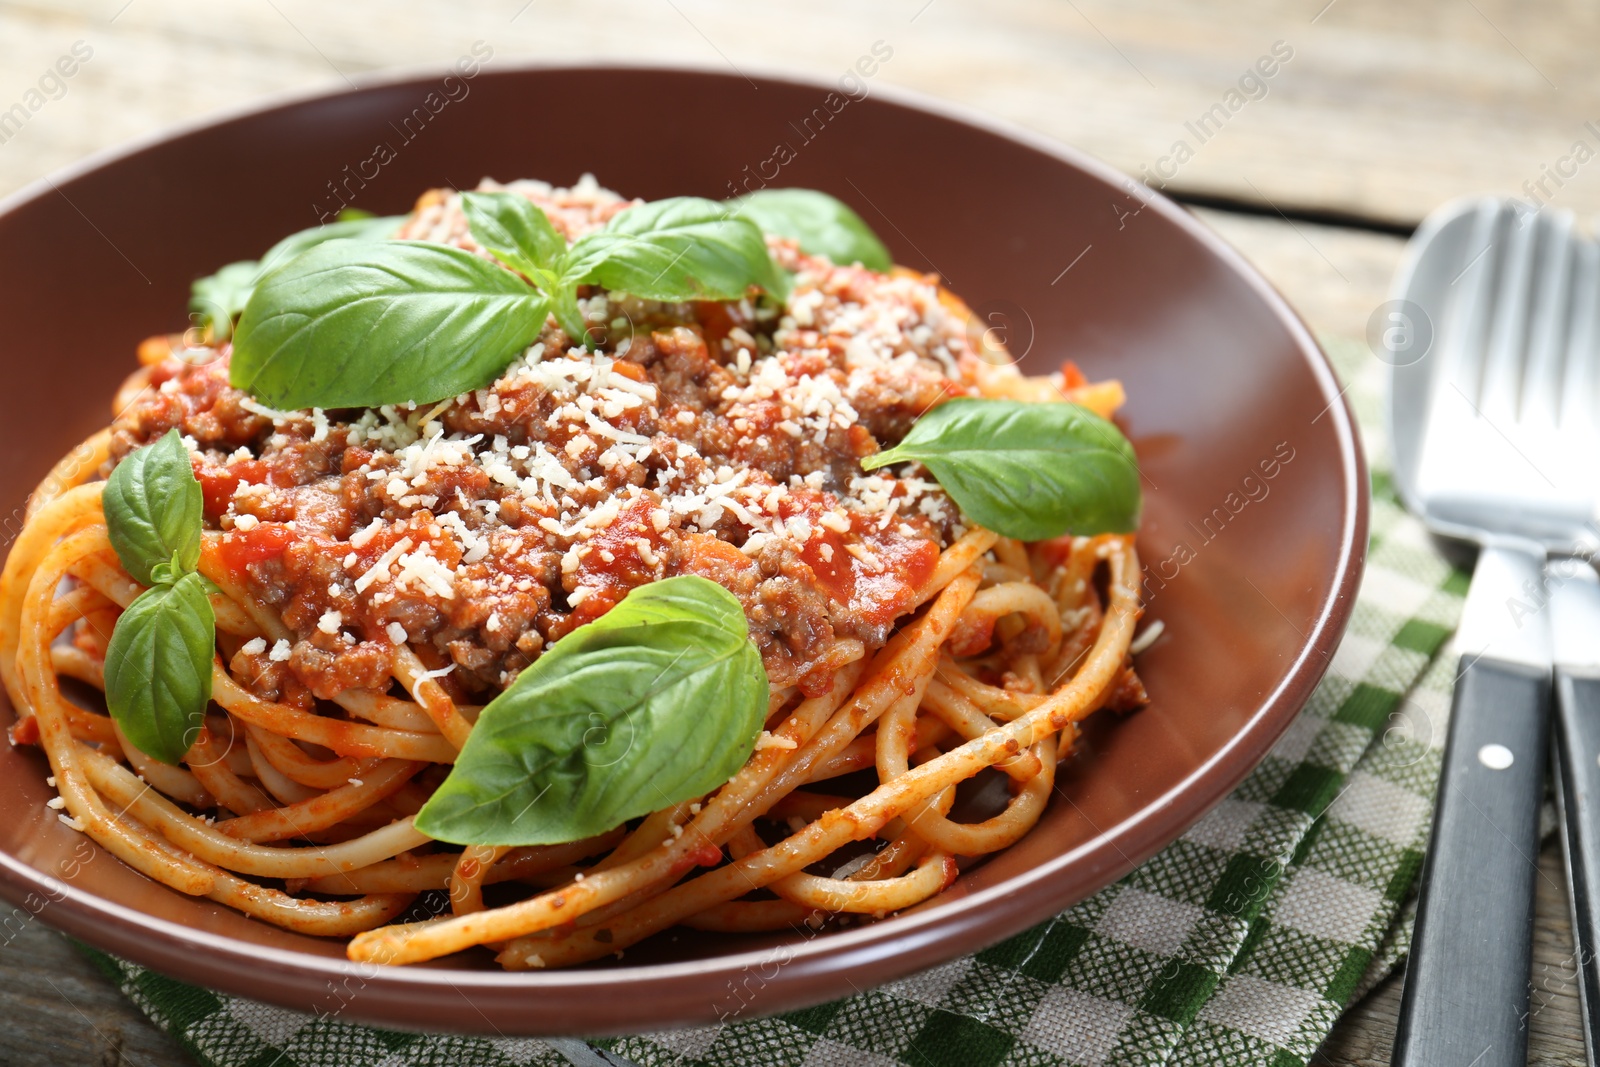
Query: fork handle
1466, 987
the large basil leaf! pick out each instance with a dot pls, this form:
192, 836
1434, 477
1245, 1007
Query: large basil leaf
657, 701
351, 226
361, 324
1029, 471
820, 224
154, 509
682, 248
158, 667
218, 299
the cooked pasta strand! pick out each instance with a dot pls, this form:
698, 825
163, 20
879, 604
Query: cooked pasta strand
1011, 647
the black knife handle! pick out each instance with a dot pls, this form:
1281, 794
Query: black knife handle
1466, 987
1578, 755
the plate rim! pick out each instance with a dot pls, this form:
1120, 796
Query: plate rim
915, 940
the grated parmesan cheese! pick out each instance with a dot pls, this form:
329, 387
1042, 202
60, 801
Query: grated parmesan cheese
362, 537
380, 568
1148, 638
500, 492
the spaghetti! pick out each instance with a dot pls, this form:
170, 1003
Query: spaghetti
378, 576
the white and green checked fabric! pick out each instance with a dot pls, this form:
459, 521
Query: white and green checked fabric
1239, 944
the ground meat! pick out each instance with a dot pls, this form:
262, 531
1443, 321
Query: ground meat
718, 439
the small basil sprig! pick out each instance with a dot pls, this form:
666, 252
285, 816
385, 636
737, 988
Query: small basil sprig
218, 299
820, 224
521, 236
1026, 470
683, 248
154, 509
158, 667
517, 233
361, 324
158, 662
656, 702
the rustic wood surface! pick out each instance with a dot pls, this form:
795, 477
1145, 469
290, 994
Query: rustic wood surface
1381, 113
1382, 110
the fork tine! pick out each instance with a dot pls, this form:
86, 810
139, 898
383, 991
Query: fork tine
1512, 416
1580, 388
1465, 315
1548, 327
1506, 351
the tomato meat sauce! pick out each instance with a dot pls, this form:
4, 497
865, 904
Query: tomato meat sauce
717, 439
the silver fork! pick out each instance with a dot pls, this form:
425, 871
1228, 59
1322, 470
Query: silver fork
1495, 435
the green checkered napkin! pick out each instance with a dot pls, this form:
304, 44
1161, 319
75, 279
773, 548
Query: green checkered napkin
1239, 944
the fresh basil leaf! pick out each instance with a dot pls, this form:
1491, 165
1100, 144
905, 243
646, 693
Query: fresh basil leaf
568, 315
515, 230
154, 509
168, 572
657, 701
1029, 471
820, 224
218, 299
361, 324
351, 226
683, 248
158, 667
522, 237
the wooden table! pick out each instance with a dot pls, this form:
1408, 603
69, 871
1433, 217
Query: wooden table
1379, 113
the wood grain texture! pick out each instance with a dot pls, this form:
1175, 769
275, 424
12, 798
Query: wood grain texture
1382, 110
59, 1009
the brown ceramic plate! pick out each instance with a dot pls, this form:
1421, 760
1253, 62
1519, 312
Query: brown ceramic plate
1253, 573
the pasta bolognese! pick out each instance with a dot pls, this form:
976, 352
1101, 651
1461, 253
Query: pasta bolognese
690, 600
